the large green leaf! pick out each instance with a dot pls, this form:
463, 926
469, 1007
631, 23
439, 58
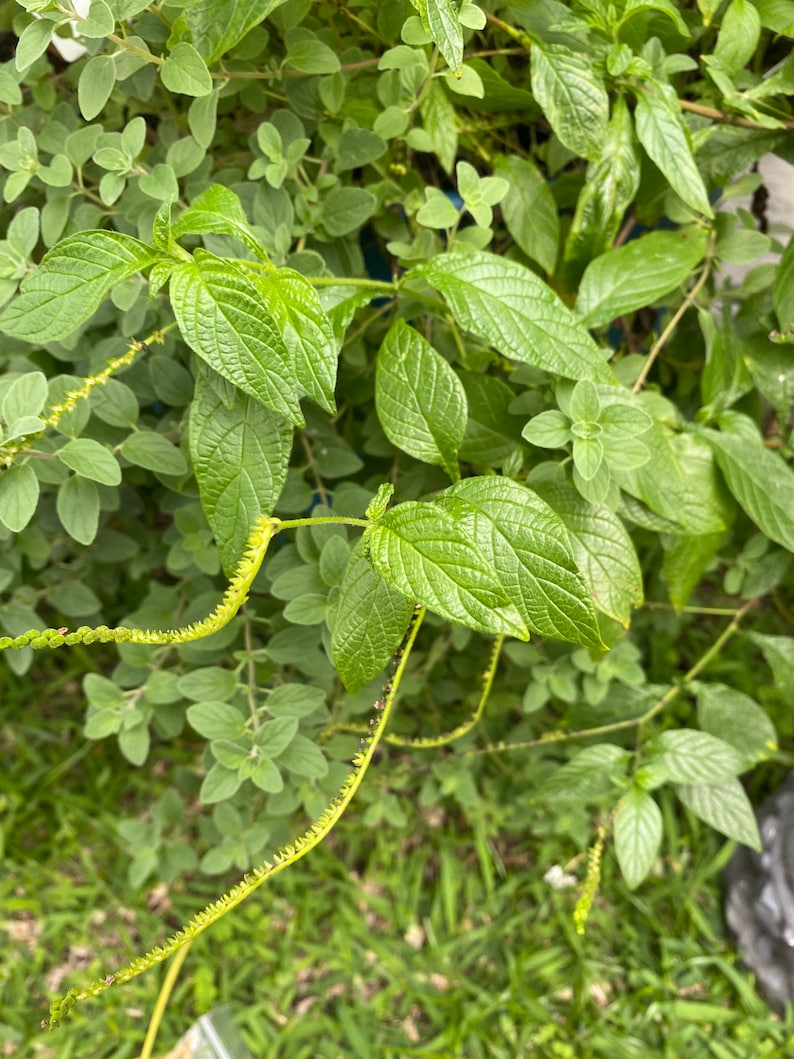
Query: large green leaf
638, 835
735, 717
423, 552
526, 542
725, 807
240, 453
611, 183
218, 210
679, 481
492, 432
529, 210
689, 756
70, 283
590, 772
307, 332
760, 479
516, 312
371, 619
217, 25
661, 131
603, 550
573, 97
440, 19
223, 318
635, 275
420, 401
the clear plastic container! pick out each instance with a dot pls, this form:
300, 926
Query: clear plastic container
213, 1036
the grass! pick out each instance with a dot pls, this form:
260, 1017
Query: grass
440, 939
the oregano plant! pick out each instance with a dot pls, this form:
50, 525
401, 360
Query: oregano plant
324, 322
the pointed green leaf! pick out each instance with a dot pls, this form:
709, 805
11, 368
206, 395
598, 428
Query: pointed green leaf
240, 453
735, 717
217, 209
70, 283
527, 544
685, 561
603, 550
696, 757
441, 20
637, 274
661, 131
420, 401
516, 312
19, 495
307, 332
759, 479
217, 25
529, 210
440, 124
371, 619
33, 42
224, 320
424, 553
590, 772
638, 835
573, 97
725, 807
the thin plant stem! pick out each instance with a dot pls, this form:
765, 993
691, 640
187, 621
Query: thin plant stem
162, 1001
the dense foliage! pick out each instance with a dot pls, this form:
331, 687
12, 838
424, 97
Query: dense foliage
383, 313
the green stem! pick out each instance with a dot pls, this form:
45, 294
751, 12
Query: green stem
162, 1002
633, 722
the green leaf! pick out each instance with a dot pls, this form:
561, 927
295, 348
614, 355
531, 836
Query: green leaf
217, 25
527, 544
70, 283
689, 756
346, 209
529, 210
492, 432
19, 496
304, 758
679, 481
440, 124
295, 700
218, 210
758, 478
725, 807
275, 736
216, 720
784, 289
371, 619
779, 654
210, 682
240, 453
78, 508
306, 330
26, 396
661, 131
311, 56
740, 30
440, 19
420, 401
590, 772
202, 118
685, 561
100, 21
219, 784
185, 71
33, 42
548, 430
737, 719
510, 307
438, 210
264, 774
91, 460
603, 550
665, 7
116, 404
224, 320
148, 449
637, 274
573, 97
424, 553
638, 835
95, 85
